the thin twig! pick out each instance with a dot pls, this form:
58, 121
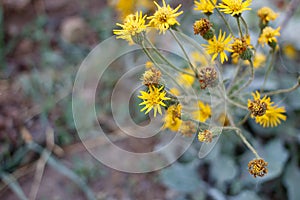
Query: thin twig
185, 54
223, 18
249, 80
243, 138
41, 164
281, 91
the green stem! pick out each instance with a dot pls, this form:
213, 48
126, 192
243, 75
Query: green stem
244, 119
282, 90
226, 98
239, 26
223, 18
245, 25
243, 138
166, 60
155, 63
249, 80
269, 69
184, 52
234, 78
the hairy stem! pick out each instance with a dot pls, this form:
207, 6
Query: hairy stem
269, 69
249, 80
223, 18
166, 60
281, 91
185, 53
243, 138
239, 26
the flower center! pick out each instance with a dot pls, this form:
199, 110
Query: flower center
219, 47
258, 108
236, 5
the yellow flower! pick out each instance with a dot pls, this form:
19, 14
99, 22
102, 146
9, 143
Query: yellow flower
153, 99
268, 36
172, 118
186, 79
219, 46
199, 58
265, 113
164, 17
266, 14
124, 7
290, 51
133, 25
205, 6
234, 7
174, 91
149, 64
258, 60
202, 113
239, 46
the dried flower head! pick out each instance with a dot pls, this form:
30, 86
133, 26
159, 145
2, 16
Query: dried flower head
203, 27
207, 77
164, 17
258, 167
188, 128
151, 76
239, 46
205, 136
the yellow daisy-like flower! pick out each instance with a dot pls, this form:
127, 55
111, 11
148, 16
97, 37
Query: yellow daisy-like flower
219, 46
186, 79
172, 118
264, 112
202, 113
234, 7
153, 99
124, 7
290, 51
199, 58
258, 60
266, 14
133, 25
164, 17
205, 6
268, 36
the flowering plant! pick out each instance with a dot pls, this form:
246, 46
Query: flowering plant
205, 75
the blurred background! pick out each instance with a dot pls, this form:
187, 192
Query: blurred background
42, 44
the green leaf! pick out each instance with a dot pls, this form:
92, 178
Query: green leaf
180, 177
223, 169
291, 181
249, 195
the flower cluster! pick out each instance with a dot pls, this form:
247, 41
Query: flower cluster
189, 114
